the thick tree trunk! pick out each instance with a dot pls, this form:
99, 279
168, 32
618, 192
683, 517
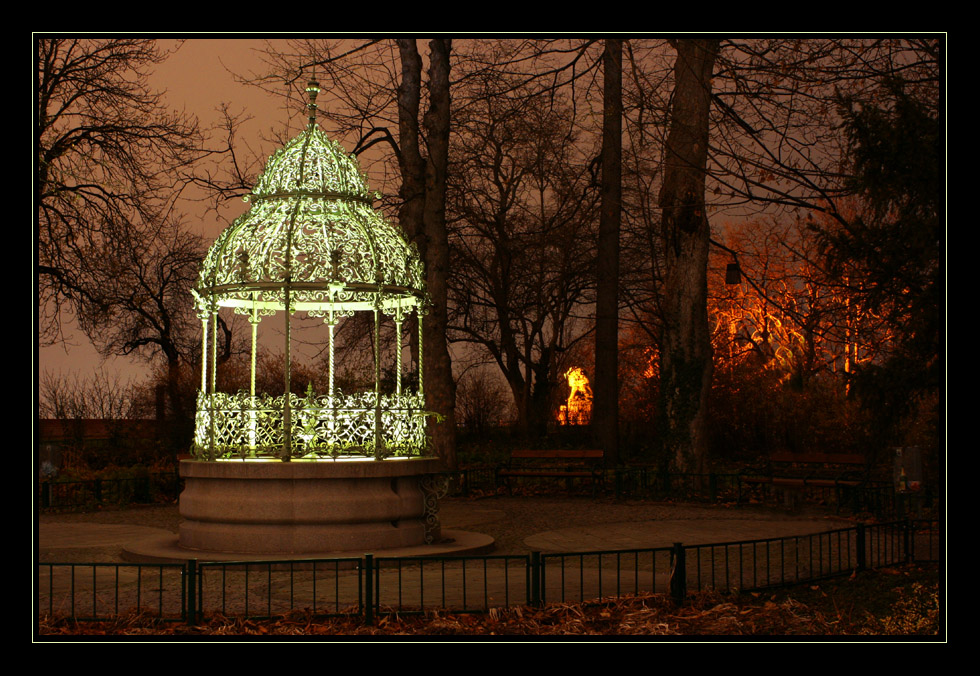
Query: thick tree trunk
522, 398
540, 409
605, 417
423, 216
412, 191
685, 355
440, 386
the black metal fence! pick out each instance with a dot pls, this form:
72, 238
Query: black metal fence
273, 588
878, 498
148, 488
872, 497
371, 585
100, 591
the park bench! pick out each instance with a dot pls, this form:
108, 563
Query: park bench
562, 464
793, 473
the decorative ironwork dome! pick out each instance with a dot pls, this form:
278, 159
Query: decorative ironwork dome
311, 242
311, 215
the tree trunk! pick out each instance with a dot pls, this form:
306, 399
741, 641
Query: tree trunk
440, 386
522, 398
412, 191
685, 356
423, 216
605, 416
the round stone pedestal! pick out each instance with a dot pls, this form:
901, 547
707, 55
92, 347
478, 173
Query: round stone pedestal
267, 507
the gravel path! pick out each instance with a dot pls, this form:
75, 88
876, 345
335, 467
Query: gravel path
509, 520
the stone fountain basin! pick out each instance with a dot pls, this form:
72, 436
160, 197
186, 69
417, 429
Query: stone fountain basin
269, 506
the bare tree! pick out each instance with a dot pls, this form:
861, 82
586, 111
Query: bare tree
110, 157
523, 205
71, 397
480, 401
136, 299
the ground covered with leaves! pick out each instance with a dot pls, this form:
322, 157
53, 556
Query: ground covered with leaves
904, 601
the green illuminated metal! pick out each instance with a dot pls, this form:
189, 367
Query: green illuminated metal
311, 242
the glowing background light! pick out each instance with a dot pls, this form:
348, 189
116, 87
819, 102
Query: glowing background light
577, 410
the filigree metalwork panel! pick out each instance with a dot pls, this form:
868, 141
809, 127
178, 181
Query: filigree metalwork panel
239, 425
434, 488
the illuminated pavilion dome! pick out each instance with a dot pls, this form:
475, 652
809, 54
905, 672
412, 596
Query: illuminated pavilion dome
311, 215
312, 242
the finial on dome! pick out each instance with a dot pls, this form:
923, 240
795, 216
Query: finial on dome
312, 89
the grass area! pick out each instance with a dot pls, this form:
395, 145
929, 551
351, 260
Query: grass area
902, 601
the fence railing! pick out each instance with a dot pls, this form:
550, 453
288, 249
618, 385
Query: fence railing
89, 492
879, 498
371, 585
875, 497
457, 583
274, 588
100, 591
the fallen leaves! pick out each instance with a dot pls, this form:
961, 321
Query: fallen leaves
823, 611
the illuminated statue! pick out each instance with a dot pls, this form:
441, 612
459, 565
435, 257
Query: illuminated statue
578, 409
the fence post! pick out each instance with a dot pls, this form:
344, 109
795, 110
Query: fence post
908, 540
536, 569
367, 564
678, 573
191, 580
862, 550
97, 490
45, 494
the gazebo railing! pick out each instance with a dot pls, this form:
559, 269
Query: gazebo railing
323, 426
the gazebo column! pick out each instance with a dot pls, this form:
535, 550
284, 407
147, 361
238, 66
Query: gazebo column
399, 317
206, 399
214, 369
331, 322
214, 349
204, 353
378, 441
419, 313
254, 321
287, 415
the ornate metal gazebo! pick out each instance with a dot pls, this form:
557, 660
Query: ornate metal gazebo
311, 242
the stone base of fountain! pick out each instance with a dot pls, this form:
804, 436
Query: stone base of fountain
274, 507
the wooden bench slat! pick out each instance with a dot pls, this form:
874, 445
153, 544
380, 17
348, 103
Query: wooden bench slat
795, 472
533, 454
518, 472
818, 458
